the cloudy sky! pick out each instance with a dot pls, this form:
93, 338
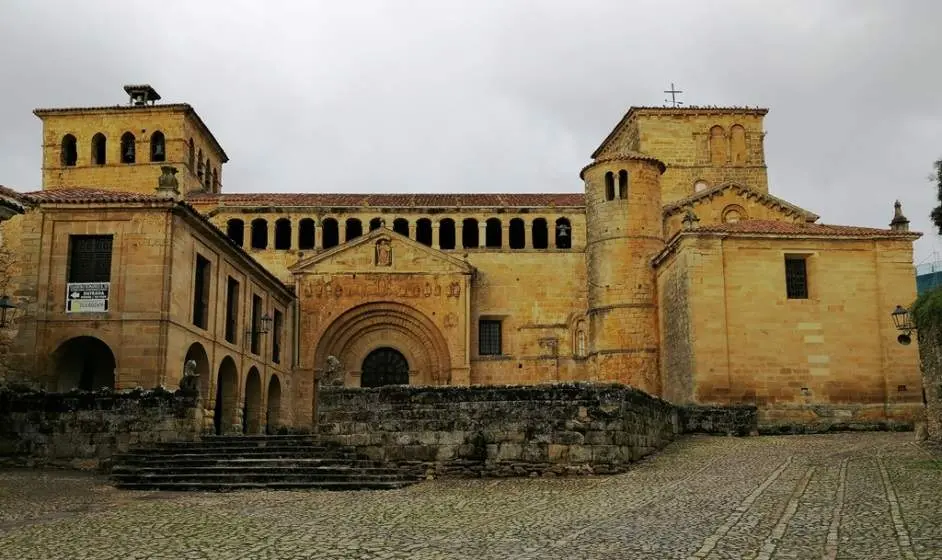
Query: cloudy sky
497, 95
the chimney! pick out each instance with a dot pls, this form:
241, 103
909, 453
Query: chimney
167, 185
899, 223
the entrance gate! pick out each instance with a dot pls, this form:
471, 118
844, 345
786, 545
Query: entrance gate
384, 366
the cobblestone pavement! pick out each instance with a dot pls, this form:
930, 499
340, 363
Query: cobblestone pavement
871, 496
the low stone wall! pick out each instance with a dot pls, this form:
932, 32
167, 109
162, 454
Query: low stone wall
80, 429
732, 420
499, 430
821, 418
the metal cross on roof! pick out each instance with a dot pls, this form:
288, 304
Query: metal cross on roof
673, 91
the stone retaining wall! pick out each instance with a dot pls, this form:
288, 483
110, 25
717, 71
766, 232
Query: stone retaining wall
500, 430
80, 429
733, 420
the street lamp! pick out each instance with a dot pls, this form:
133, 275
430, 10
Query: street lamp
6, 306
903, 323
264, 324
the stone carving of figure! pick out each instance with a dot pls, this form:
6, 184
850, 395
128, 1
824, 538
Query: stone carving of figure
383, 253
190, 381
333, 373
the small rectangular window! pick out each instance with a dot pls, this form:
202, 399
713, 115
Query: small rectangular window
796, 277
232, 309
201, 293
90, 258
489, 339
256, 320
276, 338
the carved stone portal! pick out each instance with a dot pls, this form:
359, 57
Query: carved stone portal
383, 253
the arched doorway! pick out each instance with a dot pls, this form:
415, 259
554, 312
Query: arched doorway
384, 366
273, 411
198, 354
252, 412
227, 388
84, 363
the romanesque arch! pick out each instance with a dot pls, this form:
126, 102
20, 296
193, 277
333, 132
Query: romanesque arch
252, 410
273, 408
227, 394
84, 363
197, 353
365, 328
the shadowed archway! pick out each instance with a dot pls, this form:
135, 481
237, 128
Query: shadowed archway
227, 393
85, 363
384, 366
198, 354
273, 410
252, 412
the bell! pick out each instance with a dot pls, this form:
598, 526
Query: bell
129, 153
564, 231
159, 150
904, 339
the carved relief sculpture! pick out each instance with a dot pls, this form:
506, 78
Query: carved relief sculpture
383, 253
333, 373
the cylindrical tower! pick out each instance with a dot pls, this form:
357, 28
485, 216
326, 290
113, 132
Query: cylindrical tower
623, 232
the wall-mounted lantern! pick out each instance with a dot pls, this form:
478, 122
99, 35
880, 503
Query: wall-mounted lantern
904, 324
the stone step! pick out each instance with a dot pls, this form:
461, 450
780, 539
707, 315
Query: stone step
160, 478
246, 451
213, 461
240, 442
294, 485
226, 469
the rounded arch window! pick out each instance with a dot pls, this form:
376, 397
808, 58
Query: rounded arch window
733, 214
384, 366
69, 152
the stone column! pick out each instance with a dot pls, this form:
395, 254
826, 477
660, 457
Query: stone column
459, 234
295, 235
505, 236
271, 235
551, 233
341, 232
412, 226
435, 236
318, 235
528, 234
482, 234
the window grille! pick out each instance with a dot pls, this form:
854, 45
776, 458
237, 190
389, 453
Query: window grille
90, 258
489, 339
796, 277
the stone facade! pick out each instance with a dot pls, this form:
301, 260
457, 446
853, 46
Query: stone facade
672, 271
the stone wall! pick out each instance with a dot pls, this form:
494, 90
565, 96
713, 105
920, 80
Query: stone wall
80, 429
733, 420
930, 354
500, 430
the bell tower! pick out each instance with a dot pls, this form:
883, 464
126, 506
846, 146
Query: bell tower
623, 233
123, 147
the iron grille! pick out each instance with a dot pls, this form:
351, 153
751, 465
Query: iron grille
489, 338
796, 278
90, 258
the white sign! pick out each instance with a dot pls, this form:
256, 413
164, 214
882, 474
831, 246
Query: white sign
87, 297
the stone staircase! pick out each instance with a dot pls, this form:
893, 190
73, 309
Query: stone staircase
219, 463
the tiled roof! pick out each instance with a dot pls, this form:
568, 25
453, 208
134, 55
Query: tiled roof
744, 190
521, 200
801, 229
625, 154
11, 198
85, 196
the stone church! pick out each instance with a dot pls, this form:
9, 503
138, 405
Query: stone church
672, 269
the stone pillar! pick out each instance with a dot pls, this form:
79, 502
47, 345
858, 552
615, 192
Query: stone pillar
528, 234
295, 235
318, 235
550, 233
271, 235
505, 236
435, 236
459, 234
482, 234
341, 232
412, 226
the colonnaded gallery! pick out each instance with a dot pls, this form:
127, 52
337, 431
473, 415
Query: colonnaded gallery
672, 268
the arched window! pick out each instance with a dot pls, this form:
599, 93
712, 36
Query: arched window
235, 229
492, 233
68, 154
330, 232
99, 149
158, 146
127, 148
215, 180
354, 229
306, 234
423, 231
207, 176
469, 233
259, 233
609, 186
401, 226
622, 184
563, 234
734, 213
540, 234
199, 166
376, 223
517, 234
737, 144
446, 234
700, 185
283, 234
717, 145
191, 155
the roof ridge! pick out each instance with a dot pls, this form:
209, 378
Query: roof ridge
678, 205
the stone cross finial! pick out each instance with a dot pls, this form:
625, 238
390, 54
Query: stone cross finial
690, 221
899, 223
167, 184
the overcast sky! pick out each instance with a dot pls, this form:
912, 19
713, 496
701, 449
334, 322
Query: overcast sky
497, 95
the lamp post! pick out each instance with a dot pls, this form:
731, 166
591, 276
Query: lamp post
6, 306
264, 324
904, 324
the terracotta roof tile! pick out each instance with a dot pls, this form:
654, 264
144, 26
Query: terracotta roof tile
743, 190
86, 195
520, 200
792, 228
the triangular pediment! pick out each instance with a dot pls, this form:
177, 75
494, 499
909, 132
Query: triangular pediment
382, 251
730, 193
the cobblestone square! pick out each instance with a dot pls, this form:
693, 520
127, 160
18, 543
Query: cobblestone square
859, 495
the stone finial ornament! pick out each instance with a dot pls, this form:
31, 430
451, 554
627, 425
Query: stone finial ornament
690, 221
167, 185
333, 373
190, 381
899, 223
